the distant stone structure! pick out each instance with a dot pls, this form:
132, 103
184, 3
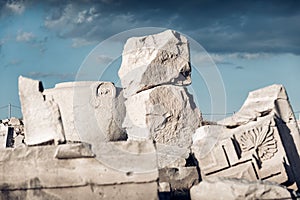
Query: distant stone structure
147, 140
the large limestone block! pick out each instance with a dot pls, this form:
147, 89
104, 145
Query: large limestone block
235, 189
154, 60
166, 114
257, 143
70, 171
42, 119
91, 111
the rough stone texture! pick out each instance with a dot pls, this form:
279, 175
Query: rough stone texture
166, 114
88, 108
171, 155
41, 116
79, 150
179, 178
3, 135
154, 60
234, 189
35, 173
257, 143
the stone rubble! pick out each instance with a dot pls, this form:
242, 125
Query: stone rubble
147, 140
11, 133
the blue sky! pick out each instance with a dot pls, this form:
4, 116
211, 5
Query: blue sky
253, 43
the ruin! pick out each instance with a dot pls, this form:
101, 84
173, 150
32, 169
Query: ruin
147, 140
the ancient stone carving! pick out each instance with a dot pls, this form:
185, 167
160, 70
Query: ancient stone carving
261, 140
257, 143
88, 108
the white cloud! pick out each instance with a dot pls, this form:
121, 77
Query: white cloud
23, 36
86, 16
16, 7
79, 42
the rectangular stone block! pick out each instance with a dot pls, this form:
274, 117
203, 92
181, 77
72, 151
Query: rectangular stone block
35, 173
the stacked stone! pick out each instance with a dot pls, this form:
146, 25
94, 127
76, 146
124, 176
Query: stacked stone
154, 72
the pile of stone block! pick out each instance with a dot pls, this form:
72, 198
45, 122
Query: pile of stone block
147, 140
11, 133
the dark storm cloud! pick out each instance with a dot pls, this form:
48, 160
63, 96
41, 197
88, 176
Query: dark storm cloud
220, 26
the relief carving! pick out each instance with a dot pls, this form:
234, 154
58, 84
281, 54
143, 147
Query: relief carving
260, 140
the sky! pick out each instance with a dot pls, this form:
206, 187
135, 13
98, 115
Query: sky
252, 44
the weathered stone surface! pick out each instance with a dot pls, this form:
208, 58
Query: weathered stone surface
41, 116
257, 143
35, 173
71, 151
130, 156
166, 114
3, 135
179, 178
154, 60
223, 188
88, 108
171, 155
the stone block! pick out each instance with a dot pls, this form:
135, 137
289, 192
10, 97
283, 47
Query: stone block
155, 60
42, 119
224, 188
91, 111
166, 114
36, 173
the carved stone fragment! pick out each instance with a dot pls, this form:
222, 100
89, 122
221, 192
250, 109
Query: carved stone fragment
260, 142
90, 109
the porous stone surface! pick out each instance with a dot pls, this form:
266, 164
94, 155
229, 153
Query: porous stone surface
36, 173
235, 189
179, 178
167, 114
154, 60
88, 108
260, 142
42, 119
